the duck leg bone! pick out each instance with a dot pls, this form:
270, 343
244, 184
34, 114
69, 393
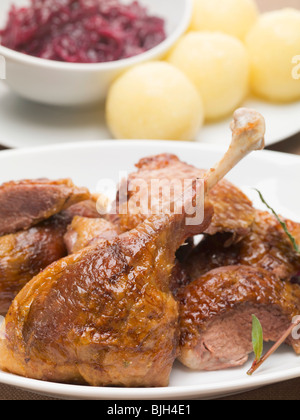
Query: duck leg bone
248, 131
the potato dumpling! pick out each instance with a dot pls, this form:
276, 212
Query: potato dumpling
273, 43
154, 101
234, 17
218, 65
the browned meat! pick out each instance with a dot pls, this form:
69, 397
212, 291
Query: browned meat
233, 210
25, 203
83, 232
216, 315
212, 253
105, 315
87, 209
24, 254
179, 278
267, 247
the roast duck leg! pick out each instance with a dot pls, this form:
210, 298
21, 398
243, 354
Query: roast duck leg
105, 315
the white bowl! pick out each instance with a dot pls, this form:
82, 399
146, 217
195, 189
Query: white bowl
68, 84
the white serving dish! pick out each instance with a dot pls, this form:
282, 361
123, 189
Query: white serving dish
275, 174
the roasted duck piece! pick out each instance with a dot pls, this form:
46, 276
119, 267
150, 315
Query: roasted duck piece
83, 232
107, 311
25, 203
216, 315
86, 209
105, 315
233, 211
26, 253
267, 247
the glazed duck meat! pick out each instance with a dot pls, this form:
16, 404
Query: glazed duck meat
25, 203
216, 321
24, 254
269, 247
84, 232
233, 211
266, 247
107, 311
49, 207
231, 282
105, 315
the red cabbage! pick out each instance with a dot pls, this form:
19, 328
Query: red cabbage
82, 31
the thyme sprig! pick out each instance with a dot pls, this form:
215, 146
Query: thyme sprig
282, 223
259, 361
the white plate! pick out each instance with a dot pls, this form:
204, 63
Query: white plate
276, 175
28, 124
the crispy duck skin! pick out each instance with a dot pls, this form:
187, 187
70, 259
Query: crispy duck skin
216, 315
25, 254
86, 209
84, 232
267, 247
102, 316
233, 211
26, 203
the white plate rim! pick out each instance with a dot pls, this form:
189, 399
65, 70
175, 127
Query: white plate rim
20, 129
183, 145
173, 392
110, 393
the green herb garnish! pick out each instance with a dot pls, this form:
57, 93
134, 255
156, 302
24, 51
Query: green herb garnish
257, 333
257, 338
257, 342
283, 224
